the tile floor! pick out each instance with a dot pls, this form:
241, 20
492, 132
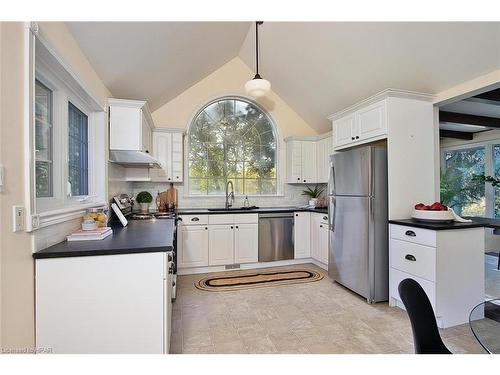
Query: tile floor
318, 317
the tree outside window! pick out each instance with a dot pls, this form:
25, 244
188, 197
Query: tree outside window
232, 139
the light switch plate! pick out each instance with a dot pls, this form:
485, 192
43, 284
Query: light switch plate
17, 218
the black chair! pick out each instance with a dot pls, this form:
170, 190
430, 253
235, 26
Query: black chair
426, 336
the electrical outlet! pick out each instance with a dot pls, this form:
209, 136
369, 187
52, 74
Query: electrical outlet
17, 218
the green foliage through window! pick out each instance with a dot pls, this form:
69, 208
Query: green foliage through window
232, 139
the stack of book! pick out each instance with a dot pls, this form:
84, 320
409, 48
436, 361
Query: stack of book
88, 235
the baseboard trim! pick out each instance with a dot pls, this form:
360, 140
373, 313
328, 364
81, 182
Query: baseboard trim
249, 266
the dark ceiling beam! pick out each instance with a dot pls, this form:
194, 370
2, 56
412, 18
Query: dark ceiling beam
456, 134
493, 95
461, 118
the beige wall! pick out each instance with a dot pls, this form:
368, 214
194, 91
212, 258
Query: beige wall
16, 263
229, 79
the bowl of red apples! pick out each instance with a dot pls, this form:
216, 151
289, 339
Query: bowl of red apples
436, 212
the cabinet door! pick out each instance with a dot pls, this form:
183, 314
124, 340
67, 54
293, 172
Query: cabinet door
246, 239
315, 236
309, 162
162, 151
125, 128
322, 159
302, 235
177, 157
343, 130
145, 135
194, 246
294, 161
371, 121
323, 243
220, 244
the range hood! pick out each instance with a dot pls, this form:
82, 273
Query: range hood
133, 159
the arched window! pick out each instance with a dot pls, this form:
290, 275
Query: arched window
232, 139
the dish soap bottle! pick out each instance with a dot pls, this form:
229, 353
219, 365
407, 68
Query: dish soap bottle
246, 203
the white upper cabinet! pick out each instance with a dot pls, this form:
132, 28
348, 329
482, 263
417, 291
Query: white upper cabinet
308, 159
364, 124
168, 150
371, 121
344, 130
130, 125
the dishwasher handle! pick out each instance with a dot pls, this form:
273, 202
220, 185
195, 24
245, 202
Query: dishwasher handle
276, 215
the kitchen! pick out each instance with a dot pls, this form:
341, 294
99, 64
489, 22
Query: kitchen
217, 186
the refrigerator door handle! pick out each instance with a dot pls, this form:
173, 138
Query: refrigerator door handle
331, 213
331, 179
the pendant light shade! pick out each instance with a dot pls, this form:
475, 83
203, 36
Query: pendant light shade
257, 87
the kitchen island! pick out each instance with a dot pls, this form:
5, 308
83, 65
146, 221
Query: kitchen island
107, 296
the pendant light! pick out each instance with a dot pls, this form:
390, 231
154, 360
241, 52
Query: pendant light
257, 86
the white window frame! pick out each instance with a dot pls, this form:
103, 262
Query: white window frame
489, 191
279, 148
43, 64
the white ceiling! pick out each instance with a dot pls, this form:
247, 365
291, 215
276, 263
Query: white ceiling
317, 68
156, 61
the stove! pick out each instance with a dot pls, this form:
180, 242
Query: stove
124, 203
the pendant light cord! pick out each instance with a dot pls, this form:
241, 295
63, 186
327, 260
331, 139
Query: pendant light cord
257, 23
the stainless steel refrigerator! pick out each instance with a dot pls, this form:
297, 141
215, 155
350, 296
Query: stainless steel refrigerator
358, 243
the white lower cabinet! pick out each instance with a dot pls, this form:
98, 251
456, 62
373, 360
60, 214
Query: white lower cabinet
217, 240
319, 237
112, 304
448, 264
193, 242
220, 244
302, 235
246, 243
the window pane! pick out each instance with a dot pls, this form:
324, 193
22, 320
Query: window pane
232, 139
77, 151
43, 140
459, 189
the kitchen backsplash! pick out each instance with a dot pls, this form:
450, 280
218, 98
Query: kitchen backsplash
292, 196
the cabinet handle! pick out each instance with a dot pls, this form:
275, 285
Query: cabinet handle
206, 228
177, 177
410, 257
321, 226
296, 214
298, 178
232, 227
147, 151
325, 217
353, 138
237, 227
168, 179
195, 219
411, 233
169, 258
304, 180
357, 137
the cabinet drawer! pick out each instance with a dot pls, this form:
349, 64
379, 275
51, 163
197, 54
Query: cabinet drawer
221, 219
398, 276
413, 258
246, 219
194, 219
416, 235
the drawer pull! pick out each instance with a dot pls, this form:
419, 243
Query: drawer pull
411, 233
410, 258
195, 219
325, 217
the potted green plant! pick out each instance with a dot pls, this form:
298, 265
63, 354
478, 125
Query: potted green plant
313, 194
144, 199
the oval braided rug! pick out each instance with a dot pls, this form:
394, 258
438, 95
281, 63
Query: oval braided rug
228, 281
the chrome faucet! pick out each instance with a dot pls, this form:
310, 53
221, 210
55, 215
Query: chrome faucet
231, 194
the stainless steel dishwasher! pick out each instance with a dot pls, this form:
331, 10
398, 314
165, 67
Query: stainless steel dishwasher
275, 236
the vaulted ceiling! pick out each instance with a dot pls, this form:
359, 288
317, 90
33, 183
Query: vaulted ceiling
317, 68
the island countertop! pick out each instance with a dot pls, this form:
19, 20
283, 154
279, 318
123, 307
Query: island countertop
139, 236
437, 225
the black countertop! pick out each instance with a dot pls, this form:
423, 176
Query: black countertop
260, 210
438, 226
139, 236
